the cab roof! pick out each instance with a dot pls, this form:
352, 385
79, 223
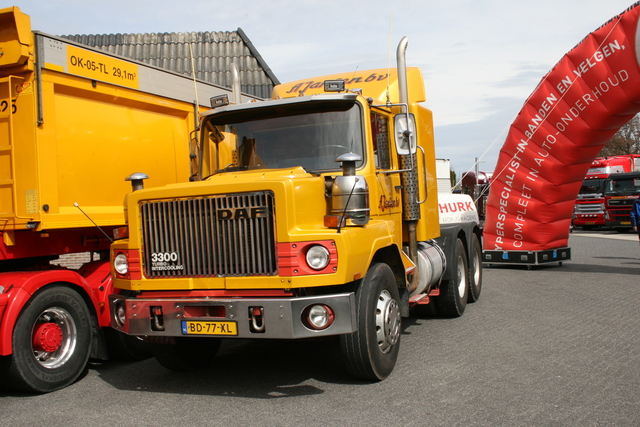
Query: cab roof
373, 83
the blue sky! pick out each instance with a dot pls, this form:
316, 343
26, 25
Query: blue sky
480, 58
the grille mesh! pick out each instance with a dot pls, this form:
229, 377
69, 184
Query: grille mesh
589, 208
230, 235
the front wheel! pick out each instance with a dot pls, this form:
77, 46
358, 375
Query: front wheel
51, 342
371, 352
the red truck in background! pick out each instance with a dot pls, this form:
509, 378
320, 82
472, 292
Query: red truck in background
477, 185
620, 191
589, 210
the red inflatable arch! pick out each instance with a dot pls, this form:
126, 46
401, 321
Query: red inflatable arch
576, 108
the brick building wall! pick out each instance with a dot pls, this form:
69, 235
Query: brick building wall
75, 261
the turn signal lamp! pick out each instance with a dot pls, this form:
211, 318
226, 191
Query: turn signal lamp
334, 221
121, 233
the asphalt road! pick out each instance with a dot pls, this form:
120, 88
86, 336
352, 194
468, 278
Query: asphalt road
551, 346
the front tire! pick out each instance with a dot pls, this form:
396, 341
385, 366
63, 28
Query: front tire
371, 352
51, 342
454, 292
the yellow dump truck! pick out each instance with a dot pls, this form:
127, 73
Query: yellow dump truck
321, 219
74, 122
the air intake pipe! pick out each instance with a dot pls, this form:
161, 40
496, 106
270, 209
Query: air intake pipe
137, 180
350, 192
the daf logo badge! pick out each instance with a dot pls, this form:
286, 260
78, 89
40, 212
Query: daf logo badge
242, 213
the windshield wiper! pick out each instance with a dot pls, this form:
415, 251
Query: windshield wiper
311, 172
229, 168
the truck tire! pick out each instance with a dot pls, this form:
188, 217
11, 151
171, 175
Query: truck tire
475, 269
51, 342
454, 292
187, 354
371, 352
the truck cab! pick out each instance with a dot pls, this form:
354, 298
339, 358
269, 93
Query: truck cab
320, 218
620, 191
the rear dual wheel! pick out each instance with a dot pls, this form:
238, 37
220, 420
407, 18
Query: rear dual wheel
454, 292
475, 269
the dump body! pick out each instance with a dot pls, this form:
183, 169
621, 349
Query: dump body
74, 123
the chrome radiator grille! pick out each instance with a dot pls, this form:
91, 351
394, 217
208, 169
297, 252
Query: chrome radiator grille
229, 235
588, 208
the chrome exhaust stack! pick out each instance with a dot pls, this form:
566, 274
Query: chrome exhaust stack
235, 83
405, 141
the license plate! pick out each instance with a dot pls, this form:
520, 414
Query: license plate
190, 327
626, 223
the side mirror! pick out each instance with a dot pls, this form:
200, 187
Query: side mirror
405, 134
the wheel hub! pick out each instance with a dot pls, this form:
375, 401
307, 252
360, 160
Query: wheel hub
54, 337
462, 279
388, 321
47, 337
476, 268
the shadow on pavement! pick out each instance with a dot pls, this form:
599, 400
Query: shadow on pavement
578, 267
266, 369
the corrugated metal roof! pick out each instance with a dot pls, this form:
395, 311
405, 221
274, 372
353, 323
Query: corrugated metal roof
212, 52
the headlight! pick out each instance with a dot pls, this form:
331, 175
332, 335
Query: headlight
120, 313
317, 257
121, 264
318, 317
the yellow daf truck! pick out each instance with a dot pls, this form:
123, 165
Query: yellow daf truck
74, 122
320, 219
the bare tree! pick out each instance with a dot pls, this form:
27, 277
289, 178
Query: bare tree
625, 141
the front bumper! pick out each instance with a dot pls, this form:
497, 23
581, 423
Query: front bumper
580, 220
620, 224
281, 317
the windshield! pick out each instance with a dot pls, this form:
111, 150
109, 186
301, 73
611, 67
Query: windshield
622, 187
592, 186
310, 135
